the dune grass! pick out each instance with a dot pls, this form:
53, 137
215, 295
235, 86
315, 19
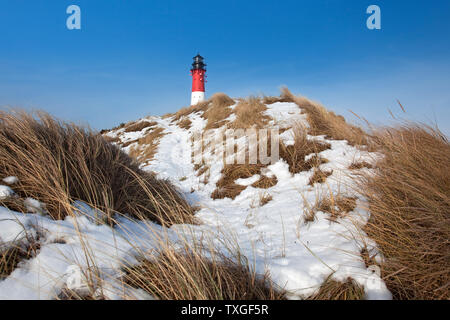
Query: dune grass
265, 182
319, 176
325, 122
184, 112
215, 110
184, 123
188, 275
295, 154
139, 125
337, 290
12, 255
356, 165
226, 186
337, 206
408, 193
409, 202
58, 163
264, 199
218, 110
147, 146
249, 113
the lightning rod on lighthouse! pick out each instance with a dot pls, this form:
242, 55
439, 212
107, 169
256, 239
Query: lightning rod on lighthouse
198, 80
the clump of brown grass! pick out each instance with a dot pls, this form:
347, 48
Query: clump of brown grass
264, 199
336, 290
184, 112
265, 182
319, 176
58, 163
368, 257
295, 155
147, 146
14, 203
11, 255
215, 110
67, 294
309, 213
250, 113
226, 186
356, 165
231, 190
126, 144
337, 206
112, 139
324, 122
184, 123
218, 110
140, 125
409, 198
272, 99
188, 275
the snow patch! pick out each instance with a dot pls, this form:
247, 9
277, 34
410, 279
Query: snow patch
10, 180
5, 192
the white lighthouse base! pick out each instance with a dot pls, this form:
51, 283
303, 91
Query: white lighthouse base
197, 96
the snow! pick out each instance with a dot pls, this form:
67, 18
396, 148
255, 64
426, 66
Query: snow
5, 192
285, 114
299, 255
14, 227
10, 180
35, 206
63, 252
248, 181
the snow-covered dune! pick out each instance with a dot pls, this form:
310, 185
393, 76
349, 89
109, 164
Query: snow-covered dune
277, 236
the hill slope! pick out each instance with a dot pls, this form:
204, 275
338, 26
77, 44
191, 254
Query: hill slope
299, 218
301, 230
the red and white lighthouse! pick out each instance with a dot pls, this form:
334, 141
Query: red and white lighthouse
198, 80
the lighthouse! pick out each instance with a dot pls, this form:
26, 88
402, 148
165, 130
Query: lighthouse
198, 80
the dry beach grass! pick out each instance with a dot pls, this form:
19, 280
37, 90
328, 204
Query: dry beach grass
409, 202
58, 163
325, 122
190, 275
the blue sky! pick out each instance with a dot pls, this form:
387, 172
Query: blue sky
131, 58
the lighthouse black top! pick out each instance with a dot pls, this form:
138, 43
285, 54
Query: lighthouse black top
198, 63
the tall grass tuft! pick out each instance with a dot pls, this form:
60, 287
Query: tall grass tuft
188, 275
215, 110
295, 154
250, 113
409, 198
226, 186
58, 163
139, 126
324, 122
147, 146
218, 110
337, 290
12, 255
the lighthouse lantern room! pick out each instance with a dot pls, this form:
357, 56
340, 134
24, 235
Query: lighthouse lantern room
198, 80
